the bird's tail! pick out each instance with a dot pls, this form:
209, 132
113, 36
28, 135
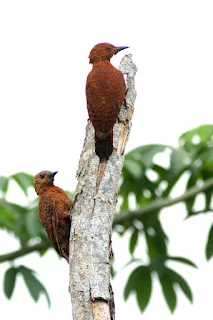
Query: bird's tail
104, 148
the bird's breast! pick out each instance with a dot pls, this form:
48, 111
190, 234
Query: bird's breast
105, 84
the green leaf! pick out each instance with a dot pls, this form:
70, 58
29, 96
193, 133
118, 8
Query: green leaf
204, 132
153, 250
133, 241
34, 286
125, 202
112, 271
155, 237
207, 158
4, 184
134, 168
131, 186
179, 161
177, 278
15, 209
182, 260
42, 252
168, 290
140, 281
11, 216
146, 153
161, 171
24, 180
33, 223
208, 199
209, 245
9, 281
7, 218
190, 202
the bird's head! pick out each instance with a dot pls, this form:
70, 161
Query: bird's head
103, 52
43, 179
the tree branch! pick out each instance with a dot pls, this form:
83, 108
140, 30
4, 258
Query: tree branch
157, 205
23, 251
93, 213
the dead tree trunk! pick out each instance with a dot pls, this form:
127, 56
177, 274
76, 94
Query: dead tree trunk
93, 213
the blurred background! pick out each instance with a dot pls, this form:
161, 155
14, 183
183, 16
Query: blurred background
43, 69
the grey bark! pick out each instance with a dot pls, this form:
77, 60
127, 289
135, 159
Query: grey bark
92, 215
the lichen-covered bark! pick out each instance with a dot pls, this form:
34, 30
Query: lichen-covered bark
93, 213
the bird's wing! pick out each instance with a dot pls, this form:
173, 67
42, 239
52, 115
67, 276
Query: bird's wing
56, 229
49, 219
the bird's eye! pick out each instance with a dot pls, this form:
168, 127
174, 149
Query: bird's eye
42, 176
109, 48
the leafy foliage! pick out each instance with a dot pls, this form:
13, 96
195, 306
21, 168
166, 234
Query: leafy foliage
150, 183
209, 245
178, 279
168, 279
22, 221
24, 180
147, 182
34, 286
140, 281
133, 240
168, 289
9, 281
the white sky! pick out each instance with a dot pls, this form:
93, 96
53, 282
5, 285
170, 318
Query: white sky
44, 48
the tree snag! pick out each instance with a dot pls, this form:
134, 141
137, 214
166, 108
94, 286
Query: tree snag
93, 214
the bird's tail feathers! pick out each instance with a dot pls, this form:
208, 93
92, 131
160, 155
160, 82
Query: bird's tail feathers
104, 148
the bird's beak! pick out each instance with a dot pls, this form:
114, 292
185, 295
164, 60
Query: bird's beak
51, 175
117, 49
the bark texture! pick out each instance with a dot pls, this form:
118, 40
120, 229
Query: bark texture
93, 213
